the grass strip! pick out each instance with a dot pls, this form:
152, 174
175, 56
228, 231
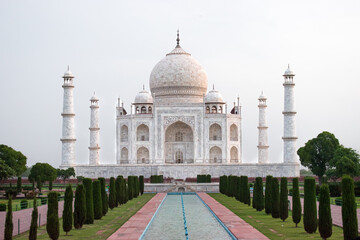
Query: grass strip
101, 229
270, 227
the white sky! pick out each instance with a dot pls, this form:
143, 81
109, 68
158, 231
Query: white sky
112, 46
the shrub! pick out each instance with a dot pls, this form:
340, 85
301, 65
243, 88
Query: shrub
52, 224
89, 219
325, 221
310, 212
275, 207
18, 184
136, 186
130, 188
254, 195
259, 205
223, 184
33, 226
296, 204
117, 190
248, 198
97, 200
79, 206
8, 221
156, 179
68, 210
2, 207
141, 182
122, 191
268, 198
237, 192
50, 185
348, 209
284, 208
112, 193
103, 196
335, 189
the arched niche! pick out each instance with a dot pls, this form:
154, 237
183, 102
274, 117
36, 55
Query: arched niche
142, 155
124, 133
234, 155
234, 136
215, 155
215, 132
142, 133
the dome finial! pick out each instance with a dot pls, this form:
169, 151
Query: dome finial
213, 86
178, 39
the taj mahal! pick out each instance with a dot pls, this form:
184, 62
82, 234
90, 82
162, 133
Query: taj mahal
179, 129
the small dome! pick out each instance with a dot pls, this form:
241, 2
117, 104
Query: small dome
94, 98
68, 73
289, 72
213, 96
262, 96
143, 97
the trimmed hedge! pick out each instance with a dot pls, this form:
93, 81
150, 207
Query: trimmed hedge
296, 204
156, 179
141, 183
203, 178
89, 201
258, 194
325, 220
79, 206
348, 209
268, 198
68, 210
52, 224
284, 206
118, 191
310, 212
275, 198
98, 212
103, 196
223, 184
112, 193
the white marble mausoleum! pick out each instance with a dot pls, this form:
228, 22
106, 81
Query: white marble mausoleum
179, 129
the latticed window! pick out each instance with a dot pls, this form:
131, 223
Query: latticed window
179, 137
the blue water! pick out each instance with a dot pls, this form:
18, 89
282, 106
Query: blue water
169, 221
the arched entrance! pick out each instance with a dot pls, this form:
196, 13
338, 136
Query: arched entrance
179, 143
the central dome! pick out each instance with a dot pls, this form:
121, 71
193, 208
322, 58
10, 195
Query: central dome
178, 76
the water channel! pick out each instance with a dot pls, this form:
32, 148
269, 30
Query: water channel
183, 214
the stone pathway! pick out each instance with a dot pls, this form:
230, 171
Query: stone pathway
25, 219
238, 227
335, 212
136, 225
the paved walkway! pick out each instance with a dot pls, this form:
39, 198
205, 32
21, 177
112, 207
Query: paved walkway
136, 225
240, 228
25, 219
335, 212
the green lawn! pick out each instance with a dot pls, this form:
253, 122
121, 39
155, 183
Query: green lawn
101, 229
270, 227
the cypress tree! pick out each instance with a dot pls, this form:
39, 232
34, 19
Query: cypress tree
230, 186
130, 188
296, 204
284, 205
112, 193
248, 198
275, 207
259, 194
33, 226
52, 224
9, 222
141, 182
38, 183
79, 206
325, 221
18, 185
254, 199
348, 209
238, 185
68, 210
126, 192
310, 211
117, 189
50, 185
225, 185
98, 212
103, 195
89, 219
268, 198
137, 186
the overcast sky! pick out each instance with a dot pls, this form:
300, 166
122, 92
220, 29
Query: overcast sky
112, 47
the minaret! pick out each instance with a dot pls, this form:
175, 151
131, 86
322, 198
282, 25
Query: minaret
68, 129
263, 147
289, 137
94, 132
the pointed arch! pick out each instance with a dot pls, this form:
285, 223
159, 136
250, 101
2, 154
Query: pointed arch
124, 134
215, 132
142, 155
234, 136
215, 155
142, 133
234, 156
124, 158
